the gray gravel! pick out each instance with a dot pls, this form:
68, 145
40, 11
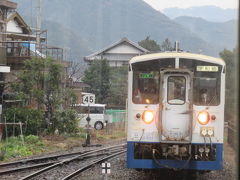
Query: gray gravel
119, 171
56, 173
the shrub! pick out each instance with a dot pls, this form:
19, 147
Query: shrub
32, 119
31, 139
67, 121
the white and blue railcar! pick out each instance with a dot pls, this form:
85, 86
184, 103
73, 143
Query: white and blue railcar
176, 111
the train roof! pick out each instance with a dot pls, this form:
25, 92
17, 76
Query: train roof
184, 55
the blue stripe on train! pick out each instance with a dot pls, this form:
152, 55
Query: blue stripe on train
197, 165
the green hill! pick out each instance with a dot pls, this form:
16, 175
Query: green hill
222, 34
209, 13
91, 25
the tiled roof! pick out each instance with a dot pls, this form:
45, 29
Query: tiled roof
114, 45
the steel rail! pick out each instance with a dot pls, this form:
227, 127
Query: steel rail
25, 161
46, 164
67, 161
75, 173
27, 167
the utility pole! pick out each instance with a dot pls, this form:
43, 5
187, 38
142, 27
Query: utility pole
39, 22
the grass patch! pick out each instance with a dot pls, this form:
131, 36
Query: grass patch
13, 147
103, 135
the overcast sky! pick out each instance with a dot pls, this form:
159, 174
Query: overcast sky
161, 4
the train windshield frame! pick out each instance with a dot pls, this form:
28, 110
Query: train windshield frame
146, 87
206, 80
146, 80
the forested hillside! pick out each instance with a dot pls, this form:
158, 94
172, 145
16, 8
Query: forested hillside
209, 13
223, 33
87, 26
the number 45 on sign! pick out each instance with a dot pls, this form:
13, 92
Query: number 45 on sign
88, 99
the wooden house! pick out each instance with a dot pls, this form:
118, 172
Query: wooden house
118, 53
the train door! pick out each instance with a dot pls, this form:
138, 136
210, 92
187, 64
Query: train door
176, 113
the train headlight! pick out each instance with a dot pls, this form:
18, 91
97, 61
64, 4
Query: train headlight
148, 116
203, 117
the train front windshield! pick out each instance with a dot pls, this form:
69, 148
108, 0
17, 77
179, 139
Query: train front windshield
206, 91
146, 87
206, 83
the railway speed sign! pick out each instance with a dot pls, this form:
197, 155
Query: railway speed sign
88, 99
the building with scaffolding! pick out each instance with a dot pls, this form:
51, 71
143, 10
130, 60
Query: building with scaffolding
19, 42
5, 8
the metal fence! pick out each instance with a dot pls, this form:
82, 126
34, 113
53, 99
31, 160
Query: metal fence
117, 119
116, 115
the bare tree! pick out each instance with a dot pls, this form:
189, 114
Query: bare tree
166, 45
75, 71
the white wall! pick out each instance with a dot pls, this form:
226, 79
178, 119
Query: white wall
13, 26
124, 49
119, 55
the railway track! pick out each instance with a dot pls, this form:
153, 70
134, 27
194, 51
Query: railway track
34, 162
69, 165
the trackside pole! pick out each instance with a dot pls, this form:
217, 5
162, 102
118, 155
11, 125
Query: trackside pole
88, 119
106, 128
6, 128
21, 132
88, 137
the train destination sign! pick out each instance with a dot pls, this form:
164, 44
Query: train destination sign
145, 76
207, 68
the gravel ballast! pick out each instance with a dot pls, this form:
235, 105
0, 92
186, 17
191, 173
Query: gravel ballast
120, 171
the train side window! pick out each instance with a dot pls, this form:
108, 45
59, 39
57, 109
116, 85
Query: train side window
96, 110
81, 109
92, 110
99, 110
176, 90
84, 110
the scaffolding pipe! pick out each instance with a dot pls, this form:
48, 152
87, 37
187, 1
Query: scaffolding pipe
39, 22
